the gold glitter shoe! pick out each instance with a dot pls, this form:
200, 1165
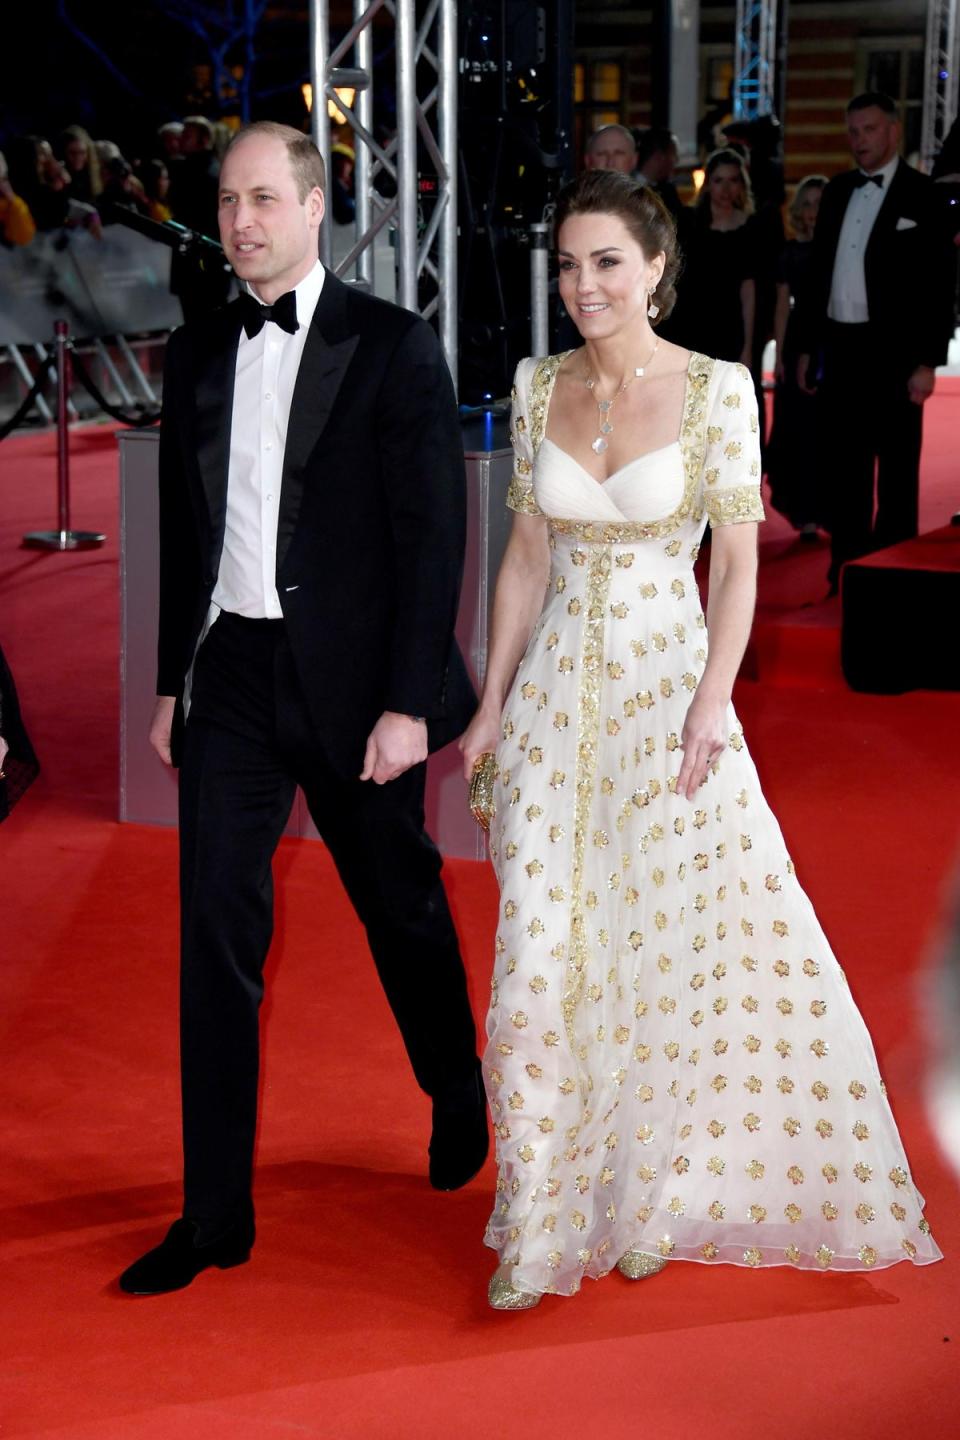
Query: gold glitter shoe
503, 1296
637, 1265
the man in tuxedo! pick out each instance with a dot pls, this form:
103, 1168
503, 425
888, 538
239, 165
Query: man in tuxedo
312, 524
875, 321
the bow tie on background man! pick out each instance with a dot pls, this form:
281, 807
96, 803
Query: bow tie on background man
859, 180
282, 312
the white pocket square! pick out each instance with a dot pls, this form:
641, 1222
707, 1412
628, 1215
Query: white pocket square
904, 224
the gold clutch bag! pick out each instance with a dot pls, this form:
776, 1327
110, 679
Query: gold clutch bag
482, 780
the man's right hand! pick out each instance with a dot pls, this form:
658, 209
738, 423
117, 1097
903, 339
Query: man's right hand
803, 367
161, 726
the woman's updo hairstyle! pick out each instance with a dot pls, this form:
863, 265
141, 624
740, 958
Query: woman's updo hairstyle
610, 192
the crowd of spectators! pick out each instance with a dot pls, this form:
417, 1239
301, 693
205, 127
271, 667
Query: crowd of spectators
78, 181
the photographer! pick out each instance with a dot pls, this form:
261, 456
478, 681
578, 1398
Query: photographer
120, 185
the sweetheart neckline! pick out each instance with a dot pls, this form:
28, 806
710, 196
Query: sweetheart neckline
602, 484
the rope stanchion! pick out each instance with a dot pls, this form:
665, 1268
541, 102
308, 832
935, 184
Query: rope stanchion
63, 538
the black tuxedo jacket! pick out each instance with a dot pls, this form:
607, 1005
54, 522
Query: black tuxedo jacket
372, 517
908, 269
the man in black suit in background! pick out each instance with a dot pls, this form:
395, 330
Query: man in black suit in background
312, 525
875, 321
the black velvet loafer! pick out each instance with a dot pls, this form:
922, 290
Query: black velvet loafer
178, 1259
460, 1139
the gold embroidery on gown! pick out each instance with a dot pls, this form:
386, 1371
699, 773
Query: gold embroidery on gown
674, 1062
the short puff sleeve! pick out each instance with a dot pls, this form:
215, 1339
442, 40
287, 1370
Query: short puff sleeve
520, 496
731, 470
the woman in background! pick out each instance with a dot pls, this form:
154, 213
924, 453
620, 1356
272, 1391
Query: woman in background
82, 163
792, 477
155, 179
716, 294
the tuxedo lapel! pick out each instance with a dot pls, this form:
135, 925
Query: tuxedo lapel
887, 214
327, 353
215, 378
845, 189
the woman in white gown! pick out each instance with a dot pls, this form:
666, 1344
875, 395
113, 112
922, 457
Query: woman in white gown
675, 1066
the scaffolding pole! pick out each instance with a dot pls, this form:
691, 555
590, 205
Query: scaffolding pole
425, 44
940, 81
754, 67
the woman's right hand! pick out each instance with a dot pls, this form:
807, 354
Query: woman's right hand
481, 736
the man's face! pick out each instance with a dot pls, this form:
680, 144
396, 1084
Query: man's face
192, 139
268, 233
661, 165
874, 137
611, 150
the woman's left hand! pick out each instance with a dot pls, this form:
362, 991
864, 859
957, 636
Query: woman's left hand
703, 740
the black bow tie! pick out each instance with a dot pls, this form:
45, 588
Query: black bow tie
859, 180
282, 312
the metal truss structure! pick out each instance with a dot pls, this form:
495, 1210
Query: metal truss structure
425, 38
941, 76
754, 69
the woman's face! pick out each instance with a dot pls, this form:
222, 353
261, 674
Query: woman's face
808, 209
604, 275
75, 155
50, 170
725, 187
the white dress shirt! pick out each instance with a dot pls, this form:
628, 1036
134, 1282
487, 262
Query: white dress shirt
848, 288
266, 373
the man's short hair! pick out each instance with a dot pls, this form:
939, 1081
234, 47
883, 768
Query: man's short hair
171, 127
201, 124
655, 141
871, 98
628, 135
306, 162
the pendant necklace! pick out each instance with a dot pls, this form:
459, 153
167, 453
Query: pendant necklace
605, 406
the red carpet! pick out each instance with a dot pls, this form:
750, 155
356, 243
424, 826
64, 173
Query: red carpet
363, 1312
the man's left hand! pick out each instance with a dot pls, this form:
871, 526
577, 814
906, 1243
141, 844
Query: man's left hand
396, 743
920, 384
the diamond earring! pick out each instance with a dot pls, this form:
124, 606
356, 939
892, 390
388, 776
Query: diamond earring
653, 309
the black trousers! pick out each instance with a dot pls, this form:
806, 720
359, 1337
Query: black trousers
248, 743
869, 445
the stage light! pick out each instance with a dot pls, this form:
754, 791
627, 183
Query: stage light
698, 176
345, 93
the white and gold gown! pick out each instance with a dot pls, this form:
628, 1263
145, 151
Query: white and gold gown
674, 1060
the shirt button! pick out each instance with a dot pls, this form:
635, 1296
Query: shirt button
269, 445
268, 396
269, 497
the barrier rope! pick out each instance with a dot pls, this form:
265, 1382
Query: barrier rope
39, 384
139, 421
